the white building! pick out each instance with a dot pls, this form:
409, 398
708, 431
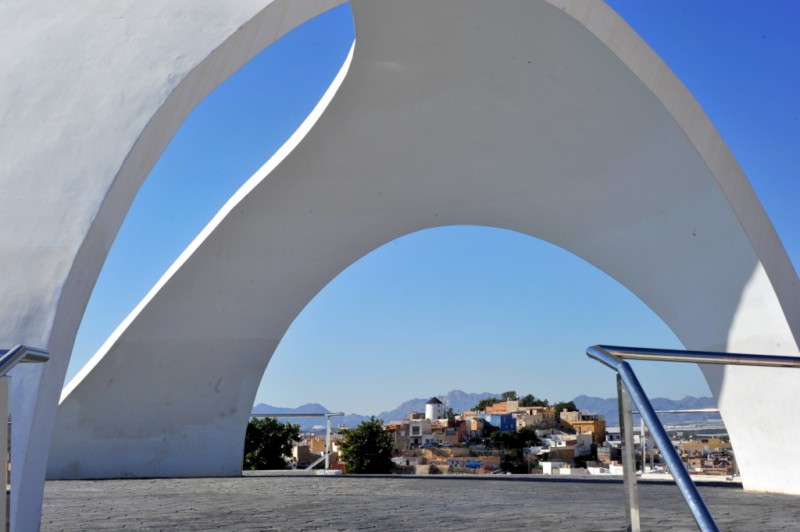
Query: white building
434, 409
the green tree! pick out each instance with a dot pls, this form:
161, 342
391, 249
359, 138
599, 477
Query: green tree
513, 461
483, 403
527, 400
530, 400
268, 442
512, 457
504, 440
367, 448
515, 440
510, 395
528, 438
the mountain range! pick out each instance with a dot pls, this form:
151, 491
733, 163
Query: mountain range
609, 409
460, 401
455, 399
310, 423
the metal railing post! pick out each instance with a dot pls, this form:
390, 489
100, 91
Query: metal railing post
326, 455
687, 487
5, 454
328, 443
614, 357
8, 359
643, 443
685, 484
628, 457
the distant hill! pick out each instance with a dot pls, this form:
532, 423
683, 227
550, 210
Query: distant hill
309, 423
308, 408
459, 401
455, 399
609, 409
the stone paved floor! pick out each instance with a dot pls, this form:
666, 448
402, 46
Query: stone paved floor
394, 503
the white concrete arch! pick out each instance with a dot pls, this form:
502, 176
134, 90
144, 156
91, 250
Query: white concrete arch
550, 119
91, 95
594, 143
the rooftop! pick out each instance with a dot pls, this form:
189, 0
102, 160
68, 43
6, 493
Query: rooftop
259, 501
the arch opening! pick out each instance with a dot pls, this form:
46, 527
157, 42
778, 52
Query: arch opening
205, 164
464, 307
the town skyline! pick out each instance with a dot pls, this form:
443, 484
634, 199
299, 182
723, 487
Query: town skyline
460, 401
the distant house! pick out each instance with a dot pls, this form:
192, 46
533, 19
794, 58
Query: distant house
586, 424
410, 433
536, 417
502, 422
503, 407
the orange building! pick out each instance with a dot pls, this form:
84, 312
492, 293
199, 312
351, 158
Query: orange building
586, 424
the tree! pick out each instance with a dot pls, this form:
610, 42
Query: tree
528, 437
513, 461
367, 449
449, 413
489, 401
510, 395
504, 440
529, 400
512, 457
267, 442
515, 440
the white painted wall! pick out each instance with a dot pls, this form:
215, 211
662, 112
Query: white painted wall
434, 411
442, 120
91, 94
554, 120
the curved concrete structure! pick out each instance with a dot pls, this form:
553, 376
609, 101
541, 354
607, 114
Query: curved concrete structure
549, 118
91, 95
517, 118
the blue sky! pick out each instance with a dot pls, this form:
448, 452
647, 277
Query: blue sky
473, 308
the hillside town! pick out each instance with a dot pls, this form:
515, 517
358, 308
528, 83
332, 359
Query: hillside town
523, 436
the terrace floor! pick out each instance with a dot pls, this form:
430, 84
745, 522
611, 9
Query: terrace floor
276, 502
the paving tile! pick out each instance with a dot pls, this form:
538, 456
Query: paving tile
394, 503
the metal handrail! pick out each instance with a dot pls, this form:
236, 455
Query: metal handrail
8, 359
20, 354
689, 491
629, 388
687, 411
316, 462
696, 357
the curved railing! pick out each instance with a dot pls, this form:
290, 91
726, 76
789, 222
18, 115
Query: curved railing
21, 353
629, 389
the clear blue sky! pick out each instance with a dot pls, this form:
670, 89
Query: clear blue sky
472, 308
